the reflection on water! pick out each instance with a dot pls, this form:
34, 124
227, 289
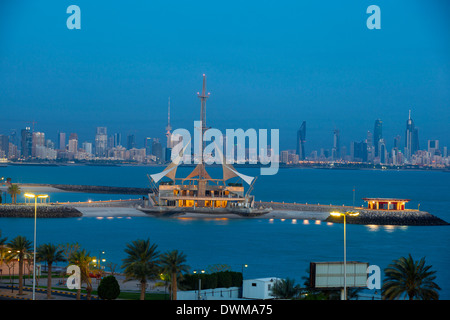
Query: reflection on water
387, 228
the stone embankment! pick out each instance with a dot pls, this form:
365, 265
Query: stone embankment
43, 211
366, 216
92, 189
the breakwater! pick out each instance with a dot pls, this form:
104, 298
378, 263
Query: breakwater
43, 211
91, 188
366, 216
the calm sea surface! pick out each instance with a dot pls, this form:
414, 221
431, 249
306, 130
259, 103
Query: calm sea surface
269, 248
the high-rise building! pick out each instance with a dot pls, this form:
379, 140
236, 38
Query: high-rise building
336, 151
131, 142
301, 139
168, 129
412, 138
73, 143
382, 152
433, 147
117, 139
26, 142
358, 151
87, 146
148, 146
157, 150
4, 145
38, 139
377, 135
61, 140
101, 140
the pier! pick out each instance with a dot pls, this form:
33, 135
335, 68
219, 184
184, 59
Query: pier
405, 217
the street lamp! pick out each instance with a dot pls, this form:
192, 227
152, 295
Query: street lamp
40, 196
345, 214
243, 266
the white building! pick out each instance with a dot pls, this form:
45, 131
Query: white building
258, 288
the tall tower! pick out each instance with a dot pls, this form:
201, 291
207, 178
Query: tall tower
409, 139
377, 135
203, 96
202, 175
336, 154
301, 138
168, 129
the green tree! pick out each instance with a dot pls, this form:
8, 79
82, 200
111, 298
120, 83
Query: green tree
3, 248
14, 190
50, 254
174, 263
20, 248
285, 289
408, 278
82, 259
109, 288
141, 262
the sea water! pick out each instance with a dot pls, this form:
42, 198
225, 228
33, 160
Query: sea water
269, 248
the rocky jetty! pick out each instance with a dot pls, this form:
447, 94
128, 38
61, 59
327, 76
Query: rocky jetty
366, 216
404, 218
43, 211
91, 189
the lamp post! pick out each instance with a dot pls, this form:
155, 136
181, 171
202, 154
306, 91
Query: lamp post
40, 196
345, 214
199, 296
243, 266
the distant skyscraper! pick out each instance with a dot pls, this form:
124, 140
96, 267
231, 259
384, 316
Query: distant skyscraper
38, 140
382, 151
377, 135
148, 146
26, 142
157, 149
358, 151
101, 140
61, 140
433, 147
4, 145
87, 146
168, 129
336, 152
301, 139
73, 143
412, 138
117, 139
131, 141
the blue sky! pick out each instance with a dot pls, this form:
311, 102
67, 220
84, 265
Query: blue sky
269, 64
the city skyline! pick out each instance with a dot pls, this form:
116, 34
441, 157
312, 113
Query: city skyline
374, 148
269, 66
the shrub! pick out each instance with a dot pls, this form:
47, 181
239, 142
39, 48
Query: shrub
108, 288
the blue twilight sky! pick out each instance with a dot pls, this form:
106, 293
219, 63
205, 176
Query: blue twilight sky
269, 64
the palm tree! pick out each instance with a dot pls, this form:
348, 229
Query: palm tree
82, 259
14, 190
408, 278
285, 289
141, 262
173, 263
20, 247
49, 253
2, 248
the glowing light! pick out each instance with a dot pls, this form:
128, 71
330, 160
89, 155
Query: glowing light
318, 221
305, 221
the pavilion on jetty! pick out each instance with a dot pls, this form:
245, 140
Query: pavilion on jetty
386, 203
